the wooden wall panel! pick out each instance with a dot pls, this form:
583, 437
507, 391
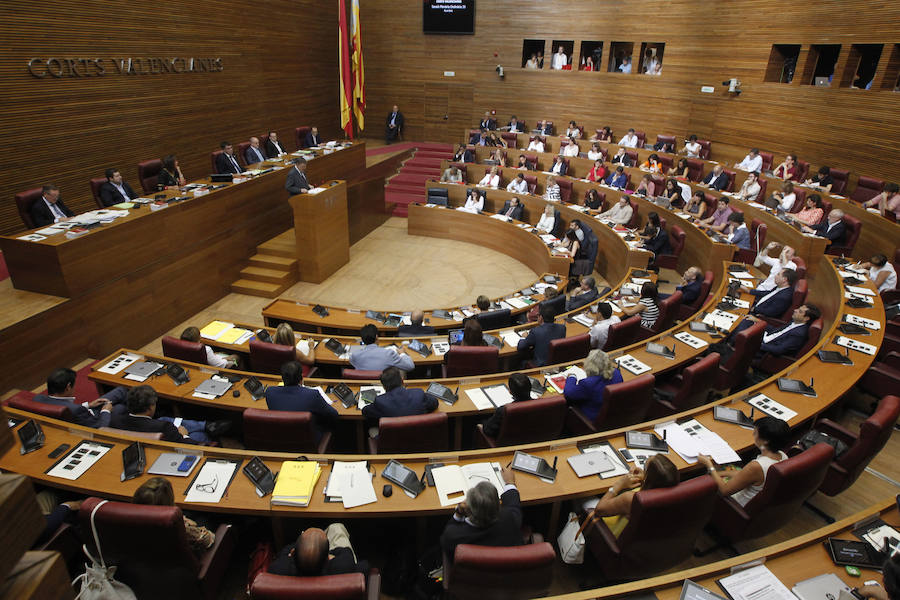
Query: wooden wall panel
706, 43
280, 72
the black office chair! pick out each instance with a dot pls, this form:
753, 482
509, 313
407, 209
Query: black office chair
438, 196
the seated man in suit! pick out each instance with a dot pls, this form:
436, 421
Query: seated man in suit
488, 122
393, 125
318, 553
716, 179
227, 162
832, 229
586, 294
514, 125
518, 185
273, 146
254, 154
372, 357
50, 208
512, 208
463, 155
691, 282
398, 401
539, 338
484, 519
657, 241
296, 182
96, 413
773, 303
312, 138
415, 326
520, 390
780, 341
292, 396
141, 404
115, 190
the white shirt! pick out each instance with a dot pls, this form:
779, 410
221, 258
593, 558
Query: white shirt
473, 206
595, 155
536, 145
747, 494
618, 214
517, 186
277, 147
749, 191
490, 180
559, 61
787, 201
570, 132
889, 283
750, 164
569, 149
629, 140
557, 167
546, 223
693, 149
214, 360
768, 337
775, 267
625, 68
600, 331
56, 211
516, 127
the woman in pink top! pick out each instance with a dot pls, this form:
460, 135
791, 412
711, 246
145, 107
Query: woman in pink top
887, 201
812, 213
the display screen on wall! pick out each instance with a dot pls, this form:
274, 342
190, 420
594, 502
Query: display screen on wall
448, 16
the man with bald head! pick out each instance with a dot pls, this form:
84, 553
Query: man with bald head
254, 154
415, 327
318, 552
832, 228
691, 282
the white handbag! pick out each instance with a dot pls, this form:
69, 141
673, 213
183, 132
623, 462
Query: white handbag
571, 540
98, 581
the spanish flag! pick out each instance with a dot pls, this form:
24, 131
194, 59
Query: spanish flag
359, 77
344, 65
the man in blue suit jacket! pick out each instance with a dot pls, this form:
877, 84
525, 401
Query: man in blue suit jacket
691, 284
312, 138
790, 338
658, 242
254, 154
832, 229
61, 392
773, 303
539, 338
294, 397
398, 401
415, 326
587, 294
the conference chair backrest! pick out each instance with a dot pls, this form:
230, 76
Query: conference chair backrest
268, 358
24, 400
531, 180
565, 189
641, 138
625, 403
802, 171
668, 312
24, 200
635, 220
801, 267
569, 349
558, 304
438, 196
148, 174
494, 319
95, 184
462, 361
501, 571
867, 188
300, 136
360, 374
535, 420
695, 169
874, 433
852, 228
767, 160
279, 430
416, 433
347, 586
623, 333
746, 344
697, 380
731, 175
705, 147
173, 347
840, 177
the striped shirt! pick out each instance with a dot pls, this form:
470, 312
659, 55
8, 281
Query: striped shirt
650, 313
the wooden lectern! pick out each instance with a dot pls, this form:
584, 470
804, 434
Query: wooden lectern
321, 231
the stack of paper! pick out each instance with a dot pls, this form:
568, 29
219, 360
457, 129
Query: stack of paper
584, 318
235, 335
721, 319
452, 481
633, 365
690, 439
771, 408
490, 396
439, 346
690, 340
215, 329
521, 301
510, 337
295, 483
351, 482
755, 583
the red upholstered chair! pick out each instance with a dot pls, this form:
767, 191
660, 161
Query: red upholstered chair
758, 231
24, 400
268, 358
535, 420
633, 156
510, 138
162, 564
801, 267
801, 288
300, 136
772, 364
24, 200
663, 526
666, 139
667, 162
802, 171
148, 174
799, 200
695, 169
763, 186
635, 220
283, 431
601, 195
360, 374
569, 349
873, 434
95, 183
686, 311
668, 311
416, 433
705, 149
882, 378
531, 180
826, 209
676, 241
867, 188
746, 345
624, 404
711, 204
212, 159
840, 177
788, 484
349, 586
768, 159
688, 389
730, 174
851, 235
623, 333
565, 188
500, 572
641, 137
183, 350
461, 361
531, 161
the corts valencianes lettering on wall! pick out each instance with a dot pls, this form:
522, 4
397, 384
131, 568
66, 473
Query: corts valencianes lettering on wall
60, 68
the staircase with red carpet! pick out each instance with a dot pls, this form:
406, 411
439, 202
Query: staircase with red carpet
408, 185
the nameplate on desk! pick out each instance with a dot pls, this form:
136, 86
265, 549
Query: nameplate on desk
771, 407
862, 322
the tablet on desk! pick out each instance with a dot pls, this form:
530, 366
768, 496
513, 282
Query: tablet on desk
398, 473
852, 552
643, 440
731, 415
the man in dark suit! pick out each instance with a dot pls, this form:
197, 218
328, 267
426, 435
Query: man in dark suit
254, 154
717, 179
50, 208
141, 404
587, 293
773, 303
312, 138
790, 338
393, 125
691, 282
514, 125
115, 190
227, 162
520, 390
832, 229
560, 166
488, 122
273, 146
296, 182
96, 413
463, 155
512, 208
484, 519
415, 326
544, 127
539, 338
398, 401
658, 242
294, 397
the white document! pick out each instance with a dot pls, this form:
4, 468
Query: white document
755, 583
211, 482
846, 342
316, 190
558, 381
440, 346
519, 302
510, 338
631, 364
877, 536
303, 346
771, 408
79, 460
740, 303
639, 281
378, 390
863, 322
621, 467
710, 443
585, 319
499, 394
855, 289
479, 399
744, 282
119, 363
52, 230
692, 341
352, 483
679, 441
721, 319
452, 481
741, 275
32, 237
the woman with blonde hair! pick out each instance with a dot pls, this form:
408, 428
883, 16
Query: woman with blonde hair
587, 394
548, 219
284, 336
551, 190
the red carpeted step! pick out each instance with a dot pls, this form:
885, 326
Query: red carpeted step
405, 188
434, 146
424, 162
434, 155
413, 178
416, 170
